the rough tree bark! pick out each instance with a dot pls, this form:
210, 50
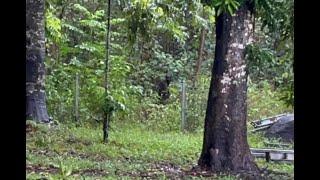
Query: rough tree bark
35, 54
225, 146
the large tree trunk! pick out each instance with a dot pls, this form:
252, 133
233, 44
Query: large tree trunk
225, 146
35, 53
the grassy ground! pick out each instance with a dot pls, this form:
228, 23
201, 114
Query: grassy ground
133, 152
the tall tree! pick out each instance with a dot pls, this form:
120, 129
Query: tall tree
200, 56
108, 108
225, 146
35, 54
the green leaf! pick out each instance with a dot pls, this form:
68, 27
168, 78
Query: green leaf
217, 4
230, 10
219, 11
68, 173
235, 4
73, 28
81, 9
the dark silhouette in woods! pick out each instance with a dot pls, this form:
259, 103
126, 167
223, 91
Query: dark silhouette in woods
163, 88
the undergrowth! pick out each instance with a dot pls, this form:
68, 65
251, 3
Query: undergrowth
147, 142
71, 152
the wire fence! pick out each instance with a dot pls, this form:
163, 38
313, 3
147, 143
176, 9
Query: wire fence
193, 105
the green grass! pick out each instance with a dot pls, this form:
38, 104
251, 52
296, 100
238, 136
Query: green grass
70, 152
264, 102
141, 147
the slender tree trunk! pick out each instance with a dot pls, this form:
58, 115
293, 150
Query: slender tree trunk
225, 145
200, 56
107, 109
35, 54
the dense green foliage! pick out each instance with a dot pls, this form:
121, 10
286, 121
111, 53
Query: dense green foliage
150, 39
271, 57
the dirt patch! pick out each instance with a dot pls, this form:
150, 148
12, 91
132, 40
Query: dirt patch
31, 129
91, 172
70, 153
150, 171
168, 170
262, 175
54, 170
75, 140
42, 152
37, 168
156, 170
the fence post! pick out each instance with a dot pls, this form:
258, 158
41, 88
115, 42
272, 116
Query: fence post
183, 104
76, 108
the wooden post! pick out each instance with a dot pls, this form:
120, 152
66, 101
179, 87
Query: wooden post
61, 115
268, 156
183, 105
76, 106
